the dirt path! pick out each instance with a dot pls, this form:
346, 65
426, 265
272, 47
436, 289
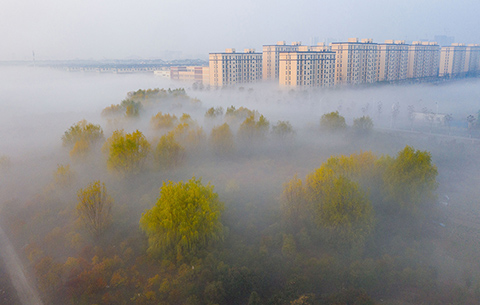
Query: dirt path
26, 293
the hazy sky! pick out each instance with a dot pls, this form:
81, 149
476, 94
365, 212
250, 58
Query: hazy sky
100, 29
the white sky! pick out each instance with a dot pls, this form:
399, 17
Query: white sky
119, 29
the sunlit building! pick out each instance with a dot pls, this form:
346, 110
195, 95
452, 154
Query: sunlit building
452, 60
392, 63
271, 56
423, 59
307, 67
356, 61
472, 58
231, 68
194, 74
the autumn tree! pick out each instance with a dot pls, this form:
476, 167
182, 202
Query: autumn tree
63, 176
252, 129
295, 208
163, 121
410, 178
126, 153
94, 207
185, 218
333, 121
340, 206
169, 153
213, 113
221, 140
80, 137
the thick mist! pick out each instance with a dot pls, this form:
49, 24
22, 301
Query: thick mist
39, 105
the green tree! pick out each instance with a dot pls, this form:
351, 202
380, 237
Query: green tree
340, 206
221, 140
94, 207
295, 209
169, 153
363, 125
410, 178
333, 121
185, 218
126, 152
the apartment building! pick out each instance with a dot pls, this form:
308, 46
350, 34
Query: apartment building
271, 56
194, 74
392, 62
472, 58
231, 68
423, 59
452, 60
307, 67
356, 61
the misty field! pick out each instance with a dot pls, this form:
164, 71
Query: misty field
130, 189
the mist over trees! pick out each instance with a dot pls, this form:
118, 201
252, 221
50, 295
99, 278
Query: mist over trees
336, 210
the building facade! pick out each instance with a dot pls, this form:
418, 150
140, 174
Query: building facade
194, 74
271, 56
392, 63
356, 61
423, 59
231, 68
472, 59
307, 67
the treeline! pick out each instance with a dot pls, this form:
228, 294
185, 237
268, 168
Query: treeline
118, 224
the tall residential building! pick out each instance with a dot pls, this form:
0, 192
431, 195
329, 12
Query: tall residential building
392, 63
452, 60
307, 67
472, 58
271, 58
231, 68
423, 59
356, 61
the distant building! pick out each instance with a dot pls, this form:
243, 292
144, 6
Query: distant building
231, 68
472, 58
356, 61
423, 59
392, 63
307, 67
194, 74
163, 72
271, 55
452, 60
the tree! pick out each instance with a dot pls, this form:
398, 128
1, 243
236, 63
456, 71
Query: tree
295, 209
169, 153
185, 218
163, 121
63, 176
126, 152
94, 207
333, 121
213, 113
82, 131
221, 140
363, 125
340, 207
410, 178
283, 129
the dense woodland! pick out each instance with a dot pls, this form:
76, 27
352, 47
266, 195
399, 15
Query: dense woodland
167, 202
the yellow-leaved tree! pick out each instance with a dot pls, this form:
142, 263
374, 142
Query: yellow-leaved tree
127, 152
221, 140
169, 153
94, 208
185, 219
80, 137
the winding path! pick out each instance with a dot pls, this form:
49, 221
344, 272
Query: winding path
26, 293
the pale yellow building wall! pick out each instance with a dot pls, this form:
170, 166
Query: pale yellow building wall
232, 68
356, 62
270, 64
392, 61
307, 68
423, 59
